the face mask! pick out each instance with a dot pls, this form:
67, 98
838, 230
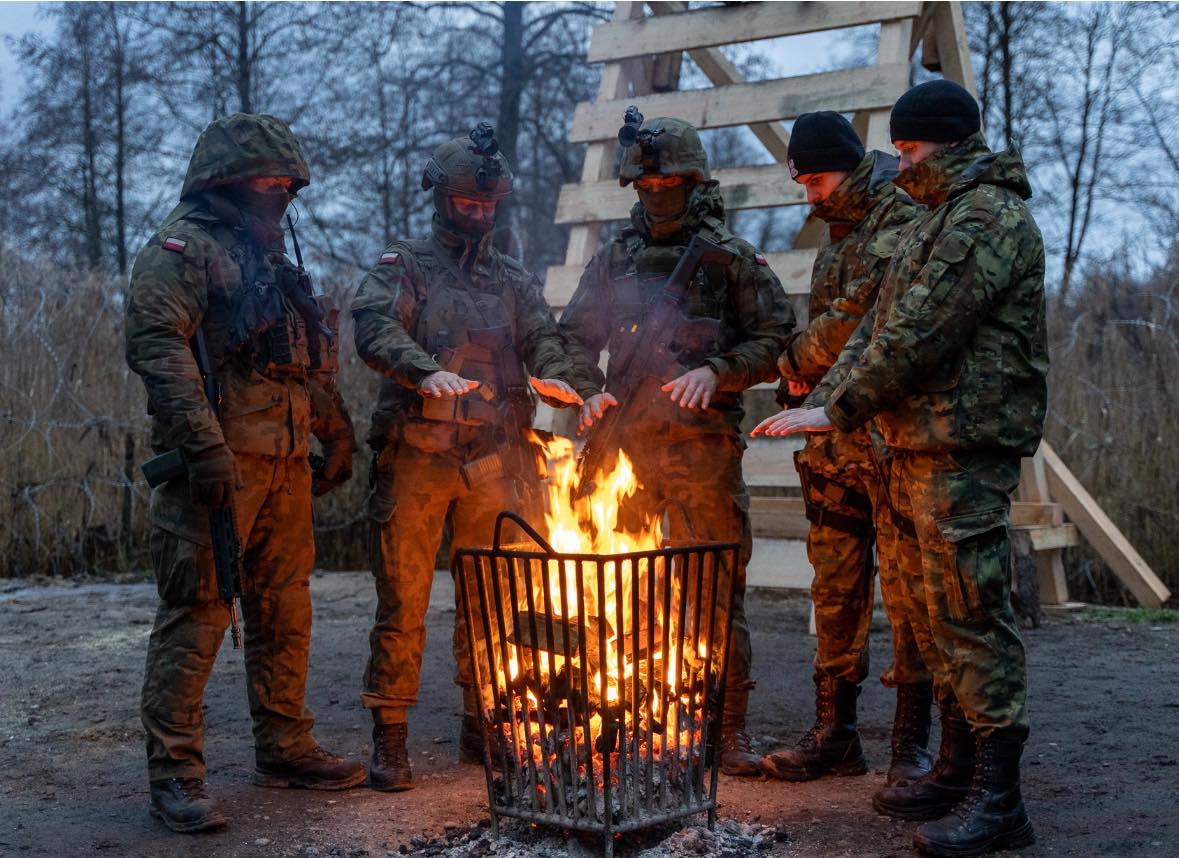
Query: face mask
925, 181
665, 206
468, 223
267, 206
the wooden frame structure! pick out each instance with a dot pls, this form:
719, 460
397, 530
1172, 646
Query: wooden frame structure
641, 56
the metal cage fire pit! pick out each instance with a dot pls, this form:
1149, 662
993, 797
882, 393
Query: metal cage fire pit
601, 680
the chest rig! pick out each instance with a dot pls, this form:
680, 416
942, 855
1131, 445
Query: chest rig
271, 319
638, 273
468, 326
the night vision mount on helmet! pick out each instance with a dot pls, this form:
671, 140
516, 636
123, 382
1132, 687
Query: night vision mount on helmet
660, 147
470, 166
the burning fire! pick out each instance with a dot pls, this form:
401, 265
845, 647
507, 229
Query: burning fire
645, 686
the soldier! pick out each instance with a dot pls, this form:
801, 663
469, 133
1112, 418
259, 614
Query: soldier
954, 372
450, 323
687, 448
216, 265
853, 193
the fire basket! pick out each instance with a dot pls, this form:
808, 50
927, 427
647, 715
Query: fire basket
601, 679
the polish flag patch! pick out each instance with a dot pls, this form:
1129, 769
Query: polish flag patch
176, 245
759, 259
389, 258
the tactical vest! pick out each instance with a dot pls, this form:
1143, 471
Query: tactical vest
638, 272
470, 331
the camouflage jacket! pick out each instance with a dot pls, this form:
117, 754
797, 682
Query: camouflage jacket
185, 278
750, 314
416, 311
870, 212
955, 354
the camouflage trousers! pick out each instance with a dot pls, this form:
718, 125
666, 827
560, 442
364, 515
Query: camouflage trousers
413, 493
848, 513
697, 482
958, 596
273, 511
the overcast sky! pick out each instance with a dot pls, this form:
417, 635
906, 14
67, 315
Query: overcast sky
16, 19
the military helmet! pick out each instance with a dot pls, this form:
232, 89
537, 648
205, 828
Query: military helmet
245, 146
660, 146
470, 166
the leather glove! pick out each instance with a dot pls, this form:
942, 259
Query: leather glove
212, 477
334, 468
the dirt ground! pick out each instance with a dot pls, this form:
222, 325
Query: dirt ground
1101, 773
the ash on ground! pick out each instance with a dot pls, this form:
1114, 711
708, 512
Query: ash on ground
730, 839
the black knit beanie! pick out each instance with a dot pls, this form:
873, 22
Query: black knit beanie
823, 142
939, 111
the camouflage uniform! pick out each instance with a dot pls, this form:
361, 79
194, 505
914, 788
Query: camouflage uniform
194, 273
737, 321
444, 302
952, 365
840, 473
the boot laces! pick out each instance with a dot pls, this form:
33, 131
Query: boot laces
390, 747
736, 739
978, 785
189, 788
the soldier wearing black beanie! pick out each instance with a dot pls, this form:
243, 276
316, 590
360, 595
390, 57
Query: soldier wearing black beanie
823, 142
939, 111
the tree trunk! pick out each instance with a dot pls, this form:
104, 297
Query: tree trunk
507, 128
89, 148
243, 58
118, 59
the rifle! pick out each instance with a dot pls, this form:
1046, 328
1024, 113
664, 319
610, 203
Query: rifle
227, 546
644, 354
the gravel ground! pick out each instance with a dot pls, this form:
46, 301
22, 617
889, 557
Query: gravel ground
1100, 780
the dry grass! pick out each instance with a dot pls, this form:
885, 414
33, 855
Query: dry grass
73, 427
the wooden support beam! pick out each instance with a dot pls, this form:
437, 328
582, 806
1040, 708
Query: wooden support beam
1100, 532
718, 69
793, 269
743, 188
847, 91
734, 22
952, 51
1033, 488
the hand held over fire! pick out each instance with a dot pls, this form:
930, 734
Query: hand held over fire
693, 389
445, 385
794, 420
555, 388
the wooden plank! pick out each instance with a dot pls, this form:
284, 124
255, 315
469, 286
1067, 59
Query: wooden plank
737, 22
765, 186
1033, 487
846, 91
718, 69
1100, 532
1051, 538
793, 269
953, 51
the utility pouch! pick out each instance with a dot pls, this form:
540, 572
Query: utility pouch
449, 411
164, 468
484, 470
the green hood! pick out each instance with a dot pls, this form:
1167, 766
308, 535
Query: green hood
958, 169
1003, 169
705, 201
244, 146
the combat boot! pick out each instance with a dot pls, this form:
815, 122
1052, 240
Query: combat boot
389, 770
317, 769
992, 815
184, 805
736, 751
832, 745
910, 734
935, 793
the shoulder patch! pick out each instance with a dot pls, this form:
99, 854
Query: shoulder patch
759, 259
176, 245
389, 258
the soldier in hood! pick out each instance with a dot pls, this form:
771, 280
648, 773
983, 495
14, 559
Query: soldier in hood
687, 445
852, 191
454, 327
217, 266
952, 367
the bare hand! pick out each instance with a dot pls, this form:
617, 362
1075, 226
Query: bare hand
794, 420
554, 388
445, 385
593, 408
693, 389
